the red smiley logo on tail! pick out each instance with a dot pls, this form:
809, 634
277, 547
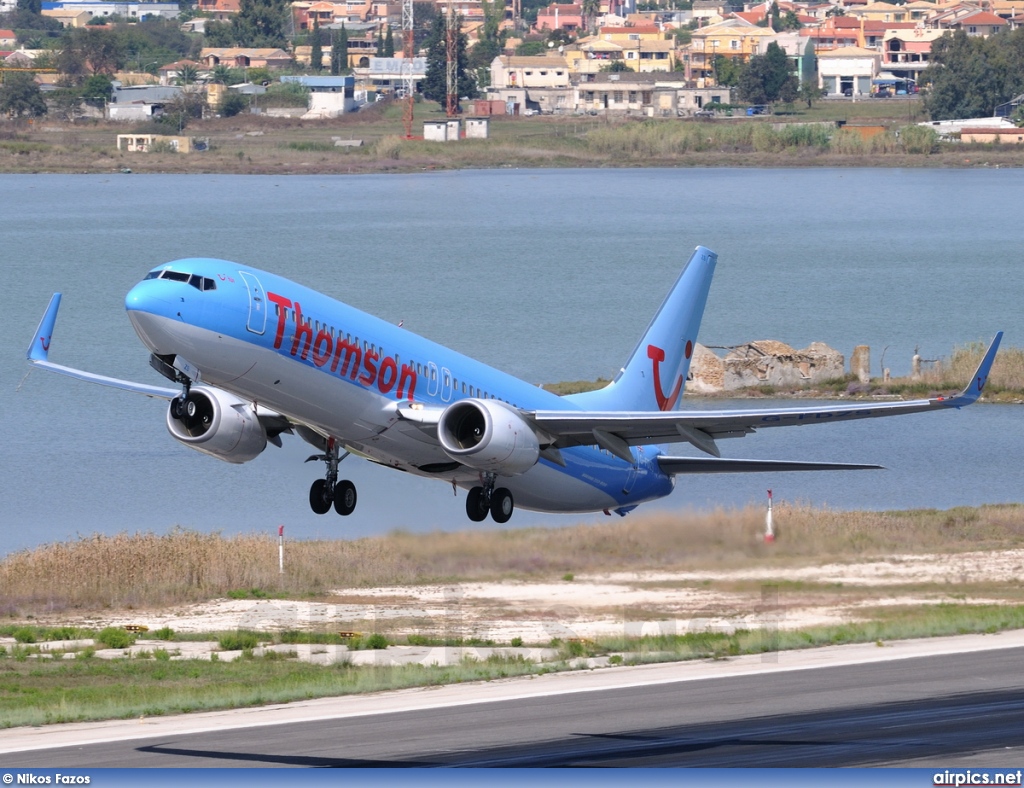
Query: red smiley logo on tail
657, 355
45, 342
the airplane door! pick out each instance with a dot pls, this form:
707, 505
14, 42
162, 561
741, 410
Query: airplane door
257, 322
432, 379
446, 384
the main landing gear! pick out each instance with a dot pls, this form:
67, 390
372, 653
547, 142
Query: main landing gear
485, 500
329, 491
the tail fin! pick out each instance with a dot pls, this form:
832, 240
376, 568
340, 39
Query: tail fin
654, 376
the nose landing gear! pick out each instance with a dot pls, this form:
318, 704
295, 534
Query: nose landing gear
324, 493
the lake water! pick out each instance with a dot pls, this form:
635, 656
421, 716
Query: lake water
550, 275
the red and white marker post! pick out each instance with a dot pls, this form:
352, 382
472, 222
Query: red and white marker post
769, 534
280, 549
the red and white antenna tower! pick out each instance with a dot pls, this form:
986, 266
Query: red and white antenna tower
451, 38
408, 84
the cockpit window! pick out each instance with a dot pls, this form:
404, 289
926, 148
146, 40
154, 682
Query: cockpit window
198, 282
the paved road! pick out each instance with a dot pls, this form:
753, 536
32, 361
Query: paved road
959, 709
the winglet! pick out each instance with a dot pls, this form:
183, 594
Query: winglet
973, 389
39, 350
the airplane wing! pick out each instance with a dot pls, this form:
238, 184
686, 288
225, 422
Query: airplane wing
616, 431
39, 352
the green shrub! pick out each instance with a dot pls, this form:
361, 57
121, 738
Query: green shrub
238, 641
164, 633
25, 635
517, 642
234, 104
115, 637
919, 139
376, 641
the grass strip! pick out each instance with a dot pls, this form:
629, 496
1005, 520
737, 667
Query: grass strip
37, 690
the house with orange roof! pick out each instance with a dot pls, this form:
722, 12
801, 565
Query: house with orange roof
733, 38
979, 23
1007, 9
828, 37
906, 53
882, 12
560, 16
245, 57
8, 40
220, 10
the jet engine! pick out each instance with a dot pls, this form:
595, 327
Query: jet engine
486, 435
217, 423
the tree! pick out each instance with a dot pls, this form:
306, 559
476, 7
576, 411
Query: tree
435, 84
20, 96
187, 75
339, 51
809, 91
767, 78
590, 10
316, 52
87, 52
490, 41
223, 75
234, 103
389, 44
32, 6
261, 23
97, 90
379, 52
615, 66
728, 70
971, 75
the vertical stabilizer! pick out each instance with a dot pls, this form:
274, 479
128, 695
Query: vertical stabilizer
654, 376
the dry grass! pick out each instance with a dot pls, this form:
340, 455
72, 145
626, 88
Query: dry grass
142, 570
1007, 370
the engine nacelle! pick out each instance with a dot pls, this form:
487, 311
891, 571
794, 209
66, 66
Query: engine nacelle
217, 423
486, 435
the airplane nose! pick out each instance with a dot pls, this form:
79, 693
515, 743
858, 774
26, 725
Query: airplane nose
148, 308
146, 296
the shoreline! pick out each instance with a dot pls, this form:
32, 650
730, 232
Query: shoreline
261, 145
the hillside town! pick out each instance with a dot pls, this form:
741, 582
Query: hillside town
320, 59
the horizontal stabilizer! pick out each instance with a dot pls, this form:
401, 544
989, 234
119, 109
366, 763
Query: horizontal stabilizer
679, 465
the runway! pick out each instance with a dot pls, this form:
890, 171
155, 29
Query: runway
864, 705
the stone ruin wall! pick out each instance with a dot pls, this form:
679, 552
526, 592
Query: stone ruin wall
763, 363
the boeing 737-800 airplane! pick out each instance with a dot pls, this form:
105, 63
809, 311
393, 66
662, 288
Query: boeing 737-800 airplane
253, 356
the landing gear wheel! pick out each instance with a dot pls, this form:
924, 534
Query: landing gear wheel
501, 505
476, 506
177, 408
344, 497
320, 497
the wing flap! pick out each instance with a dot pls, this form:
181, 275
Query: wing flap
675, 466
